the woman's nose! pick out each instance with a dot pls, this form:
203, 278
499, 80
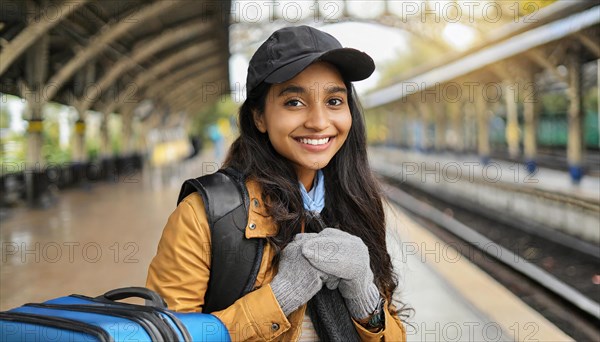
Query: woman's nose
317, 118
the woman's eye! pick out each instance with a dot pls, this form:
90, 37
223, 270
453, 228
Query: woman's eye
334, 102
293, 103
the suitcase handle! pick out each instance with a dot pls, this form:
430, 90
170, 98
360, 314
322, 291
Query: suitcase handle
141, 292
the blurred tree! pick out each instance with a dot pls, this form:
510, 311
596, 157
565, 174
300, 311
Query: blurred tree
407, 61
115, 129
591, 123
590, 100
554, 103
423, 51
223, 108
4, 116
12, 144
51, 149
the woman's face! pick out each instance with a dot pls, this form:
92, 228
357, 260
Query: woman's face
307, 118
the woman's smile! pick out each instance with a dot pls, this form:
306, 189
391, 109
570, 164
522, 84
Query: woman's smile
315, 144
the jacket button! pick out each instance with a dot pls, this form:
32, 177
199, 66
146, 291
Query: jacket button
256, 203
252, 226
274, 326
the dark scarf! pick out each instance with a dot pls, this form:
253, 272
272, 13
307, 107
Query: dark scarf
327, 309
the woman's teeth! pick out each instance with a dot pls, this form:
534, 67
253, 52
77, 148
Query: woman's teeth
314, 141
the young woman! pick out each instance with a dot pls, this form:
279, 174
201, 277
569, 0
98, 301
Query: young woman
302, 151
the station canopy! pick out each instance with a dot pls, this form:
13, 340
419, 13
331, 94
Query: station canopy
108, 55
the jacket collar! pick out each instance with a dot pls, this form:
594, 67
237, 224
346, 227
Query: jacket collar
260, 224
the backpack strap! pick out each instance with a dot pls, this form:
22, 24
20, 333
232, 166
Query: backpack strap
235, 260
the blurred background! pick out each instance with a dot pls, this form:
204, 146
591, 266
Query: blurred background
482, 122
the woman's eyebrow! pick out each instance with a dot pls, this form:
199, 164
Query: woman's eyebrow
301, 90
292, 89
336, 89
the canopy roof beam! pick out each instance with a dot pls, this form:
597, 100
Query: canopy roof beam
101, 41
145, 51
34, 30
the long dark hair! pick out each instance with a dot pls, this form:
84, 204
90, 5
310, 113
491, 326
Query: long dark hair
354, 197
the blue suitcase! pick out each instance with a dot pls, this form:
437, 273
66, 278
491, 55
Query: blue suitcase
82, 318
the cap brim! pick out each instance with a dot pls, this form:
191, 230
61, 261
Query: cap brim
354, 65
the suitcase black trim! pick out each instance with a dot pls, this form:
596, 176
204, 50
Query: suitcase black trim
152, 323
56, 322
101, 300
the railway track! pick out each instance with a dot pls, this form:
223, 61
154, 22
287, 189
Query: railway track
560, 282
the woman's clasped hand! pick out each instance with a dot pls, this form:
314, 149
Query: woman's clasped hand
332, 257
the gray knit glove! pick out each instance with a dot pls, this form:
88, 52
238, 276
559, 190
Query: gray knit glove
296, 281
346, 257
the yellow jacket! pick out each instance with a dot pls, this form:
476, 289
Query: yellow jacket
180, 270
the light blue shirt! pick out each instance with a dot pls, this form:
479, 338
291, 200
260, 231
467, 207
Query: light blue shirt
314, 200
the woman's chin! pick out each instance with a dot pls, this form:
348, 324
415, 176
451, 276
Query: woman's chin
316, 165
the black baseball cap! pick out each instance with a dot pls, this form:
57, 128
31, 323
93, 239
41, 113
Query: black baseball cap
290, 50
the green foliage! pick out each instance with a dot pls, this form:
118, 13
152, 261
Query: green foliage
115, 128
590, 108
52, 152
554, 103
12, 144
590, 100
12, 148
224, 107
423, 51
4, 116
377, 128
92, 150
419, 54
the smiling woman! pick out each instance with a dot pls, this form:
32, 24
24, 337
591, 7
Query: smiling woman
303, 159
307, 119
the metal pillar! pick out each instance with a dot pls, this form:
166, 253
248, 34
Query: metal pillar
393, 130
401, 129
105, 148
575, 135
512, 119
440, 125
470, 126
106, 154
427, 118
36, 184
411, 129
397, 129
34, 135
530, 113
456, 137
127, 133
483, 128
79, 153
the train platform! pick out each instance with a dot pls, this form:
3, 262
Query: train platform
546, 201
104, 237
495, 171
